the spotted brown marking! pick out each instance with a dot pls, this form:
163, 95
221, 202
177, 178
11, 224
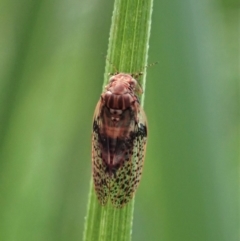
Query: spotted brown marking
118, 141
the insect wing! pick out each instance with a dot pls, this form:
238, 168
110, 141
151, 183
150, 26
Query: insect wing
126, 179
100, 177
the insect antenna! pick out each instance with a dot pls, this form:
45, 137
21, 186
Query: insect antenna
139, 73
115, 69
150, 65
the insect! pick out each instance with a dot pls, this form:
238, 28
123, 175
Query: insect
119, 140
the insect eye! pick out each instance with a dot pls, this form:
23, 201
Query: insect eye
132, 84
112, 79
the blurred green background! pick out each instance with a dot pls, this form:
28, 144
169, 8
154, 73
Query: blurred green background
51, 74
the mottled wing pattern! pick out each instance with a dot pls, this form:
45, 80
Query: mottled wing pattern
125, 181
100, 177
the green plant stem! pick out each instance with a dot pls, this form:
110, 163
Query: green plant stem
127, 52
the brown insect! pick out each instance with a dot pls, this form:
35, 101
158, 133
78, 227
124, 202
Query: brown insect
118, 141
